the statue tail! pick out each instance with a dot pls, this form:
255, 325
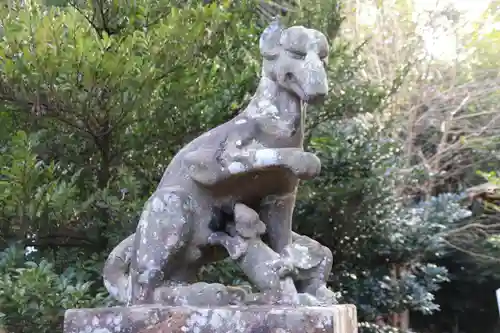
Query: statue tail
116, 267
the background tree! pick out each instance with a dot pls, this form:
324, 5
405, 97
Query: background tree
446, 123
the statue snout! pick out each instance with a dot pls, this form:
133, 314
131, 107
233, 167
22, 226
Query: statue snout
316, 87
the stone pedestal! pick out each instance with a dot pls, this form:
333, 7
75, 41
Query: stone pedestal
237, 319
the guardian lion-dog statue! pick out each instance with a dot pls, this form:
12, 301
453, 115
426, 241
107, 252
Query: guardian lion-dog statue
243, 173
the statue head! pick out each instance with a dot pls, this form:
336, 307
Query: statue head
295, 58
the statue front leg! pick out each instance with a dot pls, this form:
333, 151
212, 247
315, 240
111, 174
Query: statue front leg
203, 167
276, 211
165, 225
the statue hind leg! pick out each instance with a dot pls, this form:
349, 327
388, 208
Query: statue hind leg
314, 275
162, 233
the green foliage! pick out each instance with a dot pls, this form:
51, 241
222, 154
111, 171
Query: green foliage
473, 270
482, 39
94, 107
381, 247
419, 230
347, 202
33, 296
494, 240
225, 272
407, 242
34, 195
118, 100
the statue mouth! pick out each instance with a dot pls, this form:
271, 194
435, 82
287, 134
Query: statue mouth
295, 87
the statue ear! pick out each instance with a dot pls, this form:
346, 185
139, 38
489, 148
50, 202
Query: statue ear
269, 42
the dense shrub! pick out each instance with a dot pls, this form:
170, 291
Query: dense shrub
33, 296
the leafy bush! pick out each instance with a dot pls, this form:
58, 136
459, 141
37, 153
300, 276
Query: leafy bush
33, 296
367, 327
96, 99
402, 275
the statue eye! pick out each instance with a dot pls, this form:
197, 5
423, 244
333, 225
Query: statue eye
297, 55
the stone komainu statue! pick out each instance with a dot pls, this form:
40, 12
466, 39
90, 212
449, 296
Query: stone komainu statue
231, 186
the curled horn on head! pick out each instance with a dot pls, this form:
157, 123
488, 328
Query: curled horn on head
270, 39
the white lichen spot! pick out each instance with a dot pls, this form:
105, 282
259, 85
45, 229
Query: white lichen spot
143, 223
277, 312
270, 111
324, 322
302, 249
112, 289
266, 157
216, 320
153, 319
245, 153
238, 143
240, 325
95, 321
236, 167
262, 104
240, 121
172, 240
117, 320
157, 205
196, 321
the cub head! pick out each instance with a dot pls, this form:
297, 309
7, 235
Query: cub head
295, 58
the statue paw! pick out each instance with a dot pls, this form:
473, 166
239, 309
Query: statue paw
312, 166
306, 165
308, 300
237, 295
284, 267
305, 253
235, 246
204, 177
258, 299
326, 296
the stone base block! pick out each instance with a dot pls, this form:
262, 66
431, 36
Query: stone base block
237, 319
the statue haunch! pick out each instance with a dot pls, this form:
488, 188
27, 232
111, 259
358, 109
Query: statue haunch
255, 159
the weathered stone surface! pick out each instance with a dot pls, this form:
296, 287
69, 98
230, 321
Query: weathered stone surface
230, 185
236, 319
